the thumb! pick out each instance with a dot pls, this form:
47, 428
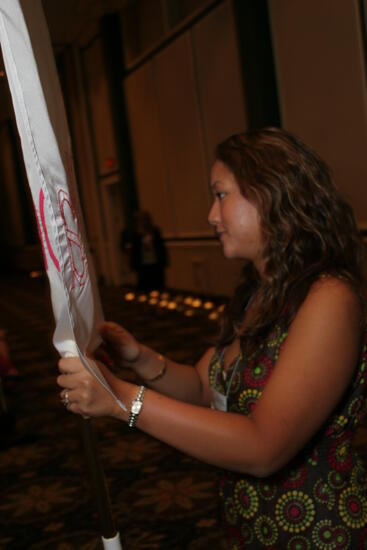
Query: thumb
112, 333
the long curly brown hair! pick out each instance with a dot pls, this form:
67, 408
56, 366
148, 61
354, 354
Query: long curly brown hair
308, 228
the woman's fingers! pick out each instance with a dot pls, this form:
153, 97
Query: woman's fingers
76, 388
120, 342
87, 399
113, 333
72, 401
70, 365
71, 381
73, 374
81, 392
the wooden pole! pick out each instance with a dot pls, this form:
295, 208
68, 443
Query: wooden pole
98, 482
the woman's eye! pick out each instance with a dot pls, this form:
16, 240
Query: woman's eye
220, 195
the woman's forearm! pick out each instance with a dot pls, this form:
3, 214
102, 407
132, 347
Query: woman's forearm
172, 379
227, 440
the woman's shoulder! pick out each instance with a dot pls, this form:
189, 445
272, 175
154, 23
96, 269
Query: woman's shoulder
334, 295
336, 286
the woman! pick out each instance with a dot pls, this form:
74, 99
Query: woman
276, 402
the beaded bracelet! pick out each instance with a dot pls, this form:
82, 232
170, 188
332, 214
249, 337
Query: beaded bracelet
161, 373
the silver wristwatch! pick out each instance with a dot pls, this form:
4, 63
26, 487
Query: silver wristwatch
136, 406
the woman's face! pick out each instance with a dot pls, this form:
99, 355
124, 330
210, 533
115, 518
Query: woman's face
235, 219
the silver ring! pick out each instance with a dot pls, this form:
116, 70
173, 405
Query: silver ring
65, 399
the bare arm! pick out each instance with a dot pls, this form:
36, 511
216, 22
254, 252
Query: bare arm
182, 382
311, 374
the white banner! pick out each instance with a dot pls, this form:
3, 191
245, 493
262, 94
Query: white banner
41, 121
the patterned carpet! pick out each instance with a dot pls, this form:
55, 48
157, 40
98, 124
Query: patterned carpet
160, 498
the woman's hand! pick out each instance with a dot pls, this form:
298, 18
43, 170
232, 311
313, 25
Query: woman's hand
118, 345
82, 393
122, 349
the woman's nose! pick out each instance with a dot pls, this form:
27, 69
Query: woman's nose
213, 216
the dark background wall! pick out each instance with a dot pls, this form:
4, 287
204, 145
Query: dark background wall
151, 86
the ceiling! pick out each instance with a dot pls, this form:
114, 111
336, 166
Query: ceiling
68, 19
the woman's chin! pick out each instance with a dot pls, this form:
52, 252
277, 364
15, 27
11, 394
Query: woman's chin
231, 254
228, 253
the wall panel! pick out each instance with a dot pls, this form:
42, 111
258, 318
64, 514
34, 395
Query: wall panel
219, 77
150, 164
200, 266
109, 177
100, 109
322, 86
182, 137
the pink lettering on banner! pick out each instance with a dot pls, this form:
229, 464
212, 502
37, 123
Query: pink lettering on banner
41, 238
44, 227
76, 251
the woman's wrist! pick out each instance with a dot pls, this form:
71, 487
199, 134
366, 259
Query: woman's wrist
125, 392
162, 371
151, 366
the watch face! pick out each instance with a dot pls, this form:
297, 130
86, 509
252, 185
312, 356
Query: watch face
135, 407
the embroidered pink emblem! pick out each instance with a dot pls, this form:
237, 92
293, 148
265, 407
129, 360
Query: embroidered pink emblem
77, 255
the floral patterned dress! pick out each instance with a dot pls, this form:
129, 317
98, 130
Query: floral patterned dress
319, 500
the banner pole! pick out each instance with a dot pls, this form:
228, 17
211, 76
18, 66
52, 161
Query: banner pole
110, 536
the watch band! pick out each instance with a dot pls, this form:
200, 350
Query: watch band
136, 406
